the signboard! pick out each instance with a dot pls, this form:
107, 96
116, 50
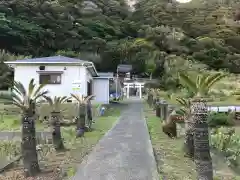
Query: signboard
76, 86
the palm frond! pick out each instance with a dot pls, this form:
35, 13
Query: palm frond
198, 81
55, 102
17, 99
14, 98
63, 99
212, 79
81, 99
39, 88
78, 98
88, 98
48, 99
202, 85
186, 81
31, 87
19, 88
21, 98
40, 94
185, 103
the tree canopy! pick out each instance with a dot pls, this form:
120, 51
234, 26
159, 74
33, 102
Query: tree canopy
155, 37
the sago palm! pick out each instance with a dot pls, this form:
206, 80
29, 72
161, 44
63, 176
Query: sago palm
56, 109
198, 111
26, 99
202, 84
82, 118
189, 129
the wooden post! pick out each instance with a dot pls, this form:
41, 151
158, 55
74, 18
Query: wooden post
161, 108
165, 110
158, 109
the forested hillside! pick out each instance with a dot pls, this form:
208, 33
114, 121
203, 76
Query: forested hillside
158, 38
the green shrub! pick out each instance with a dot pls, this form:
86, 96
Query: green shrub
226, 141
216, 119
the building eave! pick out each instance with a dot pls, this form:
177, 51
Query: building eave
88, 65
42, 62
102, 77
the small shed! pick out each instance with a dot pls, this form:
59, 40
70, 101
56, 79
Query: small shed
101, 86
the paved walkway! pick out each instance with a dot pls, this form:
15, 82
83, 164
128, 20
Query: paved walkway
125, 153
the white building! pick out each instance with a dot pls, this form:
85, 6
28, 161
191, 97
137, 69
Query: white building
63, 76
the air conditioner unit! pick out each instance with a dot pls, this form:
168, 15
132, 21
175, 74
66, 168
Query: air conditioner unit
41, 68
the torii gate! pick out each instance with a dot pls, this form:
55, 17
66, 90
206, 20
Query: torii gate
128, 85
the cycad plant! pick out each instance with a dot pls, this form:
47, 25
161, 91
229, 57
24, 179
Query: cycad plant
189, 128
55, 105
199, 112
203, 83
82, 110
27, 100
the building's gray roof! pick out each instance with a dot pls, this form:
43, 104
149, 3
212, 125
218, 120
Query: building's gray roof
57, 60
124, 68
105, 74
52, 59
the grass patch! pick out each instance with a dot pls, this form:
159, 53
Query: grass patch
11, 120
172, 165
13, 123
67, 161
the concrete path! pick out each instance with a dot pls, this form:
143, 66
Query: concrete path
124, 153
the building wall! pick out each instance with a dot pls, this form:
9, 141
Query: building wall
24, 73
101, 90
